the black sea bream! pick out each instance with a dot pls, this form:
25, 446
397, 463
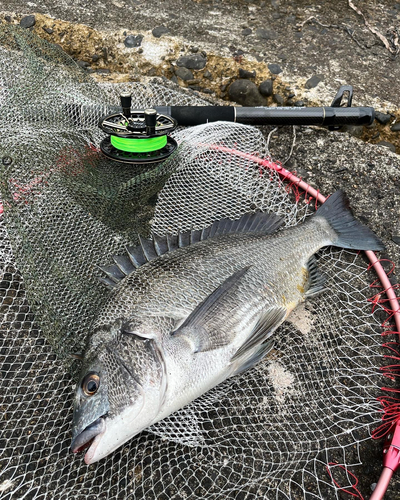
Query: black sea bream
188, 311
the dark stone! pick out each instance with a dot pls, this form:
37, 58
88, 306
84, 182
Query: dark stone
207, 75
275, 69
95, 57
264, 34
243, 73
133, 41
280, 101
282, 57
83, 64
266, 88
396, 239
49, 31
382, 117
104, 71
299, 104
159, 31
8, 19
247, 32
194, 50
245, 92
174, 79
184, 73
313, 81
395, 127
195, 61
27, 22
388, 145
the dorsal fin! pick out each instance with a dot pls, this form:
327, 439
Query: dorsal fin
149, 249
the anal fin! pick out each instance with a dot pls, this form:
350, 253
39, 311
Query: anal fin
316, 280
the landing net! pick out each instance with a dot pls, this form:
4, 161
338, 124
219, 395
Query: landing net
268, 433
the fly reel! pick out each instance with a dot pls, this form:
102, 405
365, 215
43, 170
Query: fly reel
137, 137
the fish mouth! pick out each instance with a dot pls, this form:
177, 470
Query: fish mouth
89, 439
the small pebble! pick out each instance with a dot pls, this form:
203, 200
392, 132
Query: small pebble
195, 61
159, 31
95, 57
395, 127
184, 73
27, 22
275, 69
299, 104
266, 88
280, 101
247, 32
194, 50
396, 239
243, 73
133, 41
382, 117
49, 31
388, 145
104, 71
207, 75
8, 19
312, 82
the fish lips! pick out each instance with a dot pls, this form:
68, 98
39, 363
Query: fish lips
89, 437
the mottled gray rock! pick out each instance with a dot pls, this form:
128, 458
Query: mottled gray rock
246, 93
159, 31
266, 88
194, 61
184, 73
382, 117
27, 22
313, 81
133, 41
275, 69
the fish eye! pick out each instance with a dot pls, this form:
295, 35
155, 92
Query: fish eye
91, 384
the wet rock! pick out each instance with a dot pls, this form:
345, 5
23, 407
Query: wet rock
243, 73
313, 81
195, 61
275, 69
184, 73
280, 101
266, 88
245, 92
388, 145
133, 41
264, 34
395, 127
382, 117
159, 31
27, 22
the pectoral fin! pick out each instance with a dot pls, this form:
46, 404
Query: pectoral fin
201, 326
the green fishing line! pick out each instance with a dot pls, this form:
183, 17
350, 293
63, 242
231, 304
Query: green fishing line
139, 145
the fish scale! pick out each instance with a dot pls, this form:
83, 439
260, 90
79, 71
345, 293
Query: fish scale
194, 313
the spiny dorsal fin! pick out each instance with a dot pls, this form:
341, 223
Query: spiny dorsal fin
259, 222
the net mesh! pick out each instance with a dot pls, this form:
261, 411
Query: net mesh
268, 433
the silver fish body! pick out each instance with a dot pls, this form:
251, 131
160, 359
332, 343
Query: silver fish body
198, 309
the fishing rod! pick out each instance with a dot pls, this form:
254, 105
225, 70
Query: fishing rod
142, 136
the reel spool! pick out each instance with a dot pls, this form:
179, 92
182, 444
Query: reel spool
137, 137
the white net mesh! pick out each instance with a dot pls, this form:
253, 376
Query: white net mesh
268, 433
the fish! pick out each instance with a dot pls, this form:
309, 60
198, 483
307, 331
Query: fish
188, 311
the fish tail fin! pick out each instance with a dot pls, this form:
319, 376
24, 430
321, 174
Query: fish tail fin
349, 232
